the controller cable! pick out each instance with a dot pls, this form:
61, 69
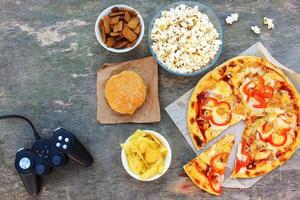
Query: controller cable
36, 134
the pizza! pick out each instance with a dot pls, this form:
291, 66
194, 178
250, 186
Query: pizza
254, 90
207, 170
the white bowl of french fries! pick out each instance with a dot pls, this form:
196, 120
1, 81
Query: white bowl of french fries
146, 165
119, 28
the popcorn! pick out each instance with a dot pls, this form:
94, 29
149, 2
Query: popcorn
233, 17
184, 39
269, 23
255, 29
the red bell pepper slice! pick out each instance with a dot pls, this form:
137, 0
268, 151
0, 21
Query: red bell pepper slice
270, 140
217, 160
284, 134
243, 163
216, 103
215, 181
260, 92
266, 92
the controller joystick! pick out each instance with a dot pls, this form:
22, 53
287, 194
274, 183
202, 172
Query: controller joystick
24, 163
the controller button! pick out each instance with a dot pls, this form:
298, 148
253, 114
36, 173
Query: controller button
46, 156
40, 169
67, 139
47, 151
65, 146
24, 163
58, 144
59, 138
57, 160
40, 155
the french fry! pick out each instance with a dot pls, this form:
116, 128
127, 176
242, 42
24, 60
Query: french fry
134, 21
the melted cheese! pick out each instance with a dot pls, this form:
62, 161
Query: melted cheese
222, 88
239, 154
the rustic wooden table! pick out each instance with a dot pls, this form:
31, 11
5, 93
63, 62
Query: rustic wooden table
48, 62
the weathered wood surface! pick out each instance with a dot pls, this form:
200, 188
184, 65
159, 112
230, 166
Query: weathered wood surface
48, 61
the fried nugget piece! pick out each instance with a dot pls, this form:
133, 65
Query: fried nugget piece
128, 34
118, 27
113, 34
113, 14
137, 30
115, 9
106, 22
114, 20
111, 41
121, 44
102, 31
127, 16
131, 12
134, 21
130, 44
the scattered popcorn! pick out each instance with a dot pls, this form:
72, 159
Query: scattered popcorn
184, 39
233, 17
268, 22
255, 29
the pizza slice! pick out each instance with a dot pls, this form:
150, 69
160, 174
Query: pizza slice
212, 108
267, 143
207, 170
272, 132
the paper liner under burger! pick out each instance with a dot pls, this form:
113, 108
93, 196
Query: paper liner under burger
149, 111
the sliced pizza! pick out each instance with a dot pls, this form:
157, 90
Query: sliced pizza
272, 132
207, 170
212, 108
261, 95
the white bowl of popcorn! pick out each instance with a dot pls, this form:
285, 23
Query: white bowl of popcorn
186, 38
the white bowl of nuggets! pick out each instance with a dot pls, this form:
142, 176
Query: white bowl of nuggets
186, 38
119, 28
146, 155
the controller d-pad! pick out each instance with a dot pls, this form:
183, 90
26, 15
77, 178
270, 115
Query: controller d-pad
41, 148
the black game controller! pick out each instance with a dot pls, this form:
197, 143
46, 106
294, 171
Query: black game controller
34, 163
